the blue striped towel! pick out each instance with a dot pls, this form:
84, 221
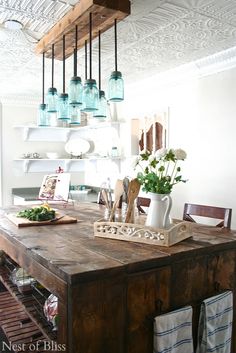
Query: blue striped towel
215, 324
173, 332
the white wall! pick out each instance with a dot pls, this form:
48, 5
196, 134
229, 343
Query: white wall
0, 153
203, 122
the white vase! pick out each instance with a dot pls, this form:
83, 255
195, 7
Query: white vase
159, 210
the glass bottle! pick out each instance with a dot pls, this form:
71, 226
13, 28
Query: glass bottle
116, 87
75, 115
90, 96
102, 106
75, 91
43, 118
63, 107
52, 100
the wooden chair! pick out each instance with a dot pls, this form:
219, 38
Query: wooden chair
224, 214
142, 201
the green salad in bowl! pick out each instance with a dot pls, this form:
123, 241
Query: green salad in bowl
41, 213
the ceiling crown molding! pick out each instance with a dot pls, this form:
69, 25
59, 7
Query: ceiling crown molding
210, 65
223, 60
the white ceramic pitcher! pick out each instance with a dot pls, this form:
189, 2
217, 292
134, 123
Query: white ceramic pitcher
159, 210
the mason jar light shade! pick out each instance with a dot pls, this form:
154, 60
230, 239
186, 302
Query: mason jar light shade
101, 113
52, 100
75, 115
116, 87
43, 118
90, 96
75, 91
63, 107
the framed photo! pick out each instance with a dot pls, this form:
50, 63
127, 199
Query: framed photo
55, 187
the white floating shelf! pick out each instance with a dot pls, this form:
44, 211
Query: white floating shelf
56, 133
51, 165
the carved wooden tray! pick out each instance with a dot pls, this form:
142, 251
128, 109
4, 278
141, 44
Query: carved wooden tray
143, 234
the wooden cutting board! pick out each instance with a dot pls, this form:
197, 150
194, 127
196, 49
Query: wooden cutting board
24, 222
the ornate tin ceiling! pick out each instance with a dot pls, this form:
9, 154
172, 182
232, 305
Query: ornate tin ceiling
158, 35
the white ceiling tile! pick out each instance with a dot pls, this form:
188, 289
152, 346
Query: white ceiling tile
192, 4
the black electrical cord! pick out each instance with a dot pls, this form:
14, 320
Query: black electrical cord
64, 66
43, 80
115, 27
99, 60
75, 51
86, 59
90, 45
52, 65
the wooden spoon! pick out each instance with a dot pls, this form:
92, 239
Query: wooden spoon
118, 192
105, 198
133, 191
126, 187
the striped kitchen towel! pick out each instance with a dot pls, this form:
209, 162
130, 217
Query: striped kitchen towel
215, 324
173, 332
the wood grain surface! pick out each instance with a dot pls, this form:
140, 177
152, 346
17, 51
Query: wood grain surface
104, 13
71, 251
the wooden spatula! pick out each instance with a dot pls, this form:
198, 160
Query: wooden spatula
105, 198
118, 192
133, 192
126, 187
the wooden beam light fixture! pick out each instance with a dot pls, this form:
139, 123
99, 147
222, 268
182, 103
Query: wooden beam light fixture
104, 13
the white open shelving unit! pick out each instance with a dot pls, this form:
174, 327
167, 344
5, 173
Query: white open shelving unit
61, 134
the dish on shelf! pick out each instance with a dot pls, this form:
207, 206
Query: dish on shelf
52, 155
29, 155
77, 147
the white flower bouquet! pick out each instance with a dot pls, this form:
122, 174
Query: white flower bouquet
159, 172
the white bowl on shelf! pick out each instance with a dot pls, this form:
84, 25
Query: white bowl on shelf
52, 155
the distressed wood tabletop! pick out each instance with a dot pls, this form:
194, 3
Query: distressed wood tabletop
73, 253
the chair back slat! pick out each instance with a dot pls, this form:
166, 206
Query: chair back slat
142, 202
224, 214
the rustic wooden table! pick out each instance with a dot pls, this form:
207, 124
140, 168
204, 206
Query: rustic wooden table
109, 291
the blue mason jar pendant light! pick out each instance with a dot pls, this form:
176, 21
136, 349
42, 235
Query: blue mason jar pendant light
63, 104
75, 88
52, 97
75, 114
116, 83
42, 112
101, 113
90, 91
75, 91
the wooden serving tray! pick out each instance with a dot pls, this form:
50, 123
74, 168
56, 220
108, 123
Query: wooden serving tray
24, 222
143, 234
